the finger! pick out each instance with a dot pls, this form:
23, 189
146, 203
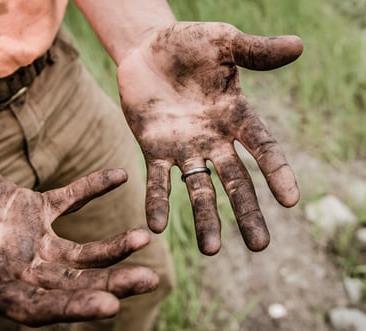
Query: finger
122, 281
35, 306
265, 53
271, 160
239, 188
203, 199
157, 195
94, 254
75, 195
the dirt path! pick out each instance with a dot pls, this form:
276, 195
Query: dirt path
295, 270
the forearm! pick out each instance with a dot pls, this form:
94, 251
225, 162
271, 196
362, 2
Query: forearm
121, 24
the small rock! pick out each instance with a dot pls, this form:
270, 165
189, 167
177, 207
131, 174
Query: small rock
297, 280
277, 311
361, 237
354, 289
347, 319
329, 213
357, 193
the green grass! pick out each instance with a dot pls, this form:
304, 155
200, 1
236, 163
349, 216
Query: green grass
93, 54
327, 85
182, 307
326, 89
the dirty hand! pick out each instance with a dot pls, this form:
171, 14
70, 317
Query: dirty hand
46, 279
181, 96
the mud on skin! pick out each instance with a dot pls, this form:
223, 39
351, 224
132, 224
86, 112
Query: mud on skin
46, 279
190, 71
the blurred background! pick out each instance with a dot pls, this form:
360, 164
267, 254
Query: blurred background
313, 275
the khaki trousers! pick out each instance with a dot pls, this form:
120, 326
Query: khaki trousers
66, 127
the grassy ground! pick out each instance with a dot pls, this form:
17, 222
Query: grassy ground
326, 88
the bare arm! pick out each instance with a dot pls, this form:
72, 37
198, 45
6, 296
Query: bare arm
121, 24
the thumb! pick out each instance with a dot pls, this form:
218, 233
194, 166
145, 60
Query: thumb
265, 53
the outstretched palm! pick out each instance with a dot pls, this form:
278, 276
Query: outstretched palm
181, 95
46, 279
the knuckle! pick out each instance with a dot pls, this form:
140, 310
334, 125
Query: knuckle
72, 274
157, 189
157, 205
70, 193
252, 214
205, 193
76, 252
163, 164
89, 183
228, 28
204, 205
267, 147
234, 184
276, 169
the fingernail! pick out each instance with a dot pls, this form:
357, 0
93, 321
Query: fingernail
149, 282
157, 215
209, 244
116, 175
255, 232
138, 238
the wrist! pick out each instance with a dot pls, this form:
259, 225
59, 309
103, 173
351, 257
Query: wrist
123, 24
135, 37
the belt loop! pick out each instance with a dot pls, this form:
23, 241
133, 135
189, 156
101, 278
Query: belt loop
17, 97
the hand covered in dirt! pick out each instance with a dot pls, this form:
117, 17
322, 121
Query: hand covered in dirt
181, 96
46, 279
